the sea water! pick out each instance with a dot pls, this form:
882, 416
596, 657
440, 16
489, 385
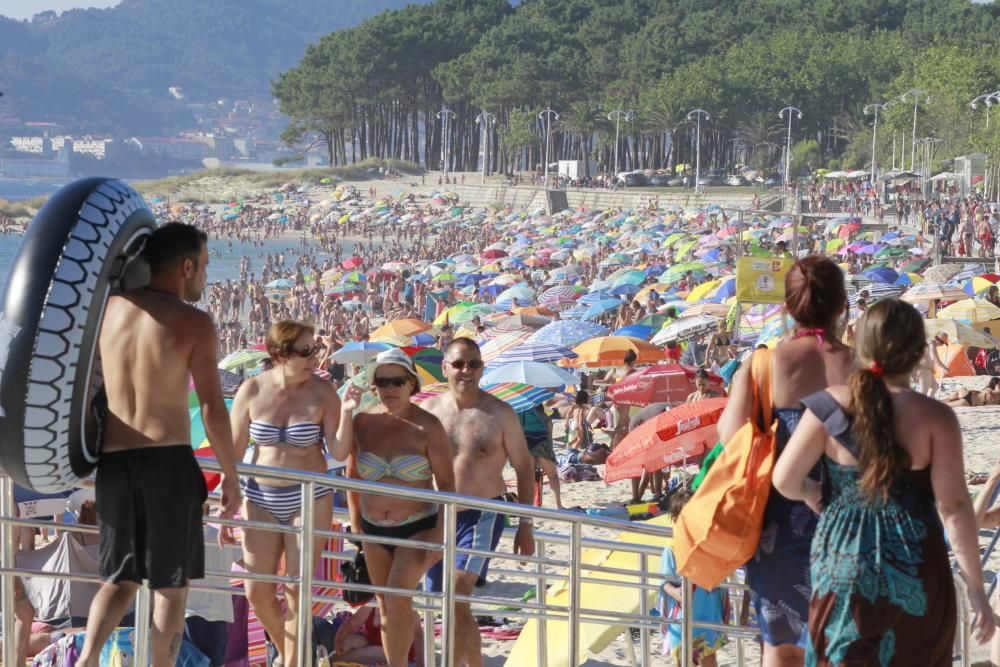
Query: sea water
223, 263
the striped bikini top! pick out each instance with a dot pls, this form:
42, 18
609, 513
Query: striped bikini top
407, 468
303, 434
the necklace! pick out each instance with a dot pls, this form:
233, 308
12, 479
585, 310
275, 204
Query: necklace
818, 332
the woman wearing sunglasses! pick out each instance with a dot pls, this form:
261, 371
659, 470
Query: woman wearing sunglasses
288, 412
401, 444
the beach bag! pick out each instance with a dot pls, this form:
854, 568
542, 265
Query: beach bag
356, 572
719, 529
60, 653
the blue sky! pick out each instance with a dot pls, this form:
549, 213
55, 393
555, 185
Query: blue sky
25, 9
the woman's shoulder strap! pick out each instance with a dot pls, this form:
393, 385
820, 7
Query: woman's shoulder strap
834, 418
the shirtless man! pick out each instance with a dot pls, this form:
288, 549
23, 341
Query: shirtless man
485, 433
150, 490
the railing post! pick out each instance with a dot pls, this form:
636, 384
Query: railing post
574, 594
541, 645
644, 647
306, 569
448, 587
686, 621
143, 608
7, 544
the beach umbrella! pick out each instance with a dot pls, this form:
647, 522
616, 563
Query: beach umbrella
520, 397
882, 275
960, 333
493, 253
683, 433
280, 283
518, 320
407, 327
708, 308
241, 360
534, 373
352, 262
655, 321
427, 361
662, 383
463, 312
533, 351
643, 331
229, 381
915, 265
941, 273
538, 312
607, 351
595, 310
876, 292
568, 333
494, 347
971, 310
930, 291
522, 293
685, 328
359, 352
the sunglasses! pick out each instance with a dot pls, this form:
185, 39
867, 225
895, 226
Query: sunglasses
306, 353
459, 364
398, 381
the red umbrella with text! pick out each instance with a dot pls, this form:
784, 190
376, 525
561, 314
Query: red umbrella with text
662, 383
680, 434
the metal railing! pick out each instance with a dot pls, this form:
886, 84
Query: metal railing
541, 568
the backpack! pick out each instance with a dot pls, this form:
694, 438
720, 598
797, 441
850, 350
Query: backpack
719, 528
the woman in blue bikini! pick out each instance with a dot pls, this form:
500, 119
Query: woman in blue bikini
396, 443
288, 412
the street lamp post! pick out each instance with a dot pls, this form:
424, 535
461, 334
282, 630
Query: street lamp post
788, 139
616, 115
445, 115
484, 119
546, 115
873, 108
916, 94
698, 113
990, 99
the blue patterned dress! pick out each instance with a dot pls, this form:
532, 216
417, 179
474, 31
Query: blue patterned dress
882, 584
778, 574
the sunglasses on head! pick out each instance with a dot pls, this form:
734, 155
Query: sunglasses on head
473, 364
305, 353
398, 381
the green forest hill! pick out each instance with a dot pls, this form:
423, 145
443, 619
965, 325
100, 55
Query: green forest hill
375, 90
109, 70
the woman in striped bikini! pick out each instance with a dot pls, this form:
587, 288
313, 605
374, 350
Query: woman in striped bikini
287, 412
396, 443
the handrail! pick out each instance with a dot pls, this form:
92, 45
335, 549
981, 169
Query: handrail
575, 576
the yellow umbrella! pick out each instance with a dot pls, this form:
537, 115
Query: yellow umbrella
643, 294
980, 284
972, 310
610, 351
344, 218
702, 291
407, 327
834, 244
915, 278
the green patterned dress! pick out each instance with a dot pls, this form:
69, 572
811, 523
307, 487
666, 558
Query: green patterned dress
882, 590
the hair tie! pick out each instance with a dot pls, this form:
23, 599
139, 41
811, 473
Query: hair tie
877, 369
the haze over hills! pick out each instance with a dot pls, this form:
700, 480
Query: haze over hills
109, 70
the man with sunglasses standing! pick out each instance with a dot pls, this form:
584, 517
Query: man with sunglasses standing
485, 434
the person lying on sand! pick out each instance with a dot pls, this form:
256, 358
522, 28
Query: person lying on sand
965, 398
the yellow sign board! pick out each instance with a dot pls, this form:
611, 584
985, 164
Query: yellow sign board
761, 279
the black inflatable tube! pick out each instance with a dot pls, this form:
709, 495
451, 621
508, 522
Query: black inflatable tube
78, 250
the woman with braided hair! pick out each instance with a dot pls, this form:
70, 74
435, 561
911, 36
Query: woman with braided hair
882, 590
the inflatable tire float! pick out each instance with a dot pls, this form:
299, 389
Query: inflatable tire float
77, 251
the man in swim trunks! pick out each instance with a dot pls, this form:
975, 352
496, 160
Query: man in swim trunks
485, 433
150, 490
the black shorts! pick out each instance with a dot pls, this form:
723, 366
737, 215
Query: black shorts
149, 511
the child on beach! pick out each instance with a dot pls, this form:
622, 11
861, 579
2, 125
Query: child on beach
709, 606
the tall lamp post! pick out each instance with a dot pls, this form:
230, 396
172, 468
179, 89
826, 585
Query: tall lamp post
874, 108
788, 139
916, 94
616, 116
990, 99
698, 113
484, 119
445, 115
546, 115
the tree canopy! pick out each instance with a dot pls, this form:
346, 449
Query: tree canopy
741, 60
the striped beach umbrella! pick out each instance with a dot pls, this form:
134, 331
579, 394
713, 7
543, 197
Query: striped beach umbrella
568, 333
559, 295
533, 351
519, 396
